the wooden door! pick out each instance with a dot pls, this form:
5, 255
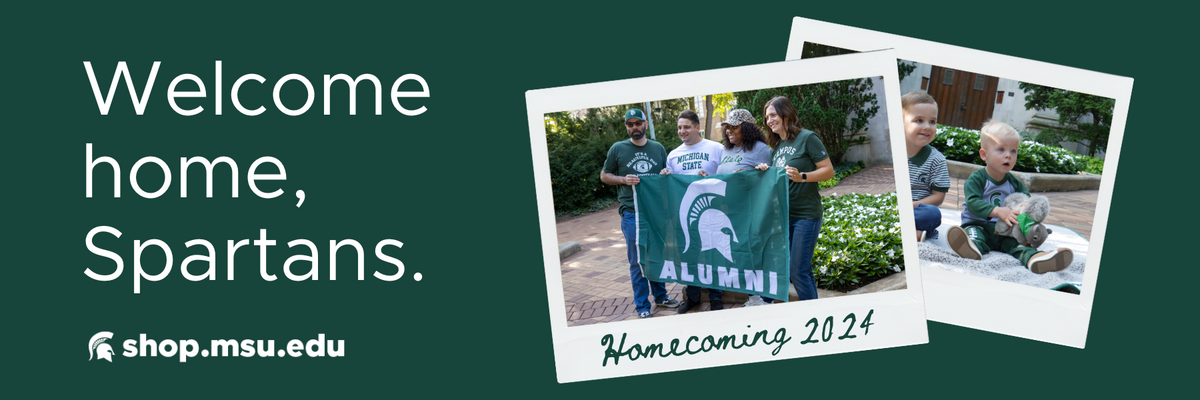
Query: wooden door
965, 99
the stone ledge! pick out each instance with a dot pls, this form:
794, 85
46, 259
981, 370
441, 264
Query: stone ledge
1033, 181
567, 249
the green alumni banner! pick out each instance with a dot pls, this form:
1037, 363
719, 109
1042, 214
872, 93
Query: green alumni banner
726, 231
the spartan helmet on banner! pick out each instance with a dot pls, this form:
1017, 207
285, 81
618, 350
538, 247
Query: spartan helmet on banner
712, 222
98, 349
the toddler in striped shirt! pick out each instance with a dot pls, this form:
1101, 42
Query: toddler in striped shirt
927, 173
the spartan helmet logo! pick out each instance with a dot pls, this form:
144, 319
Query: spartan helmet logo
712, 222
923, 178
98, 349
996, 198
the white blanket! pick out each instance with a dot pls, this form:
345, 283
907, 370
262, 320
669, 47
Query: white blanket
936, 253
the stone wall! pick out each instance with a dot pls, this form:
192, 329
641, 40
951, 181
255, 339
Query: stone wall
878, 149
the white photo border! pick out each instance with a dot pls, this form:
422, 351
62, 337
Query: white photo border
898, 318
983, 303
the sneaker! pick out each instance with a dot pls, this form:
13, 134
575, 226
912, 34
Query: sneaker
716, 305
671, 303
1050, 261
686, 305
962, 244
755, 301
933, 235
644, 314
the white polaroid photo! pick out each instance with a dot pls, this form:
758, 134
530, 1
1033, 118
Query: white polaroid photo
597, 333
998, 293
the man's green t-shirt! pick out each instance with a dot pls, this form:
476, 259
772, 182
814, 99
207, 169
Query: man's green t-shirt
626, 158
803, 153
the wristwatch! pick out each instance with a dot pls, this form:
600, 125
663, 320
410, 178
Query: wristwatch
804, 176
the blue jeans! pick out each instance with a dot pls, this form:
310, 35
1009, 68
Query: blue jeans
804, 234
927, 218
629, 228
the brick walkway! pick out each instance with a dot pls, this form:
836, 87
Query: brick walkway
874, 179
596, 280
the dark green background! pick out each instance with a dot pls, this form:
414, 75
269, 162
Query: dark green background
456, 186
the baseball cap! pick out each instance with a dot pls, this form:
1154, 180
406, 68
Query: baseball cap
635, 113
737, 117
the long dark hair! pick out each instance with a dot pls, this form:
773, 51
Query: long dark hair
791, 119
751, 134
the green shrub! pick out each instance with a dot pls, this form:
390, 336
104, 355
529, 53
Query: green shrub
1094, 165
1044, 136
860, 238
960, 144
835, 111
577, 149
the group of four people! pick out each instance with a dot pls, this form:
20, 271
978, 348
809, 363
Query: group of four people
744, 148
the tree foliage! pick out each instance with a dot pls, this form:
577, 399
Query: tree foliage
578, 144
724, 102
577, 148
1071, 107
835, 111
666, 121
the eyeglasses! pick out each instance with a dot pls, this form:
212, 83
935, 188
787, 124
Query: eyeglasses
633, 124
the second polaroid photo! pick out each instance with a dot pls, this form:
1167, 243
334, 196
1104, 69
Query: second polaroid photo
1011, 165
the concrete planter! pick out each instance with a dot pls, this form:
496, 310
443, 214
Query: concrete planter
1035, 182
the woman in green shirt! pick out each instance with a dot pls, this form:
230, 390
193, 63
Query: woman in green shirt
800, 152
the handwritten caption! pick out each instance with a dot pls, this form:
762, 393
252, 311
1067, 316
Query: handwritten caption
695, 345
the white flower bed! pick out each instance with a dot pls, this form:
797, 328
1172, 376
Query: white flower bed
860, 238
